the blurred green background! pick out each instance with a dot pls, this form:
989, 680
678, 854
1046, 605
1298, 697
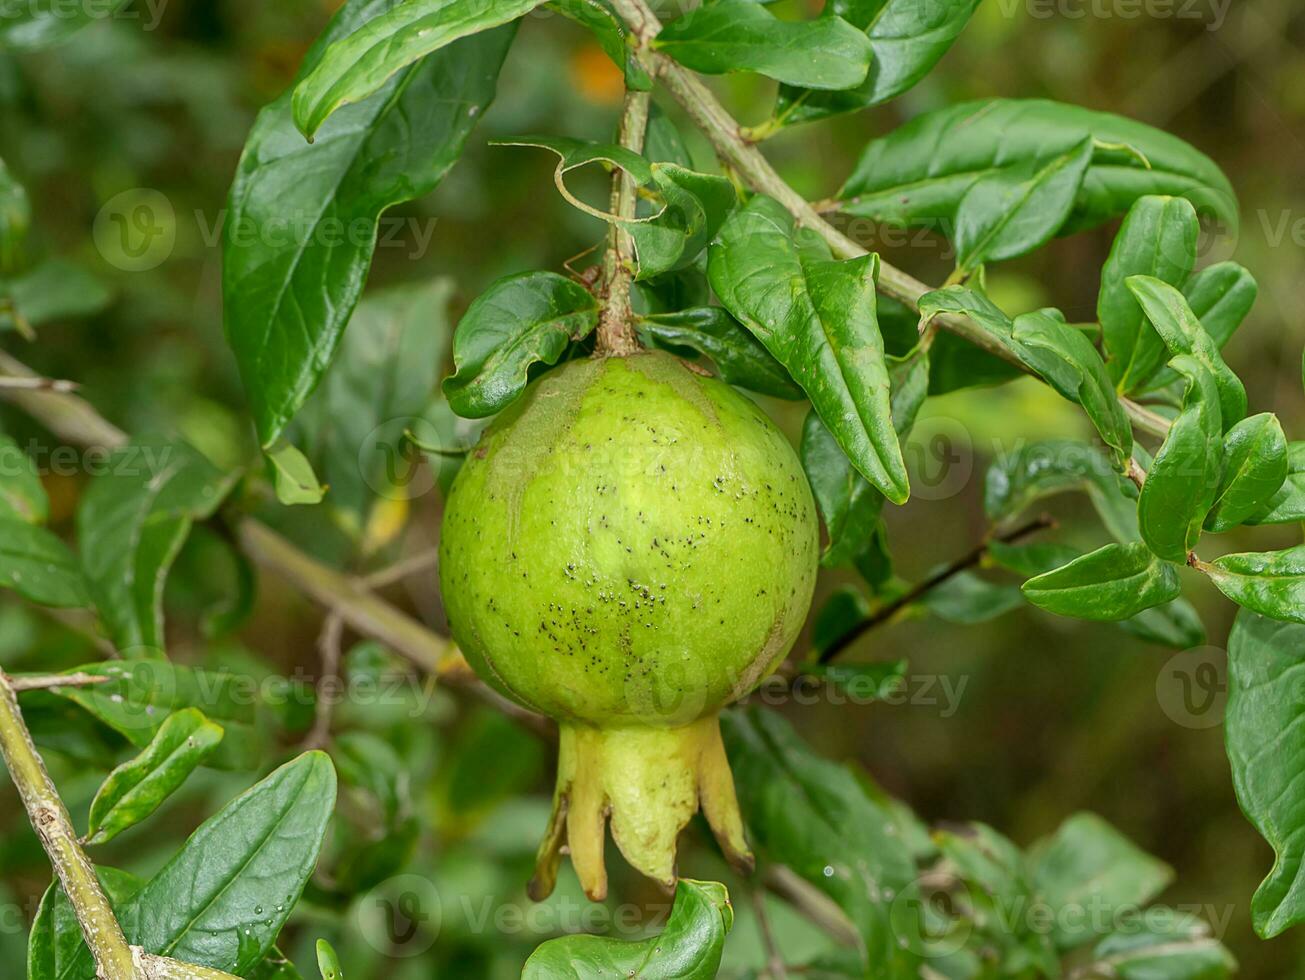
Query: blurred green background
1017, 722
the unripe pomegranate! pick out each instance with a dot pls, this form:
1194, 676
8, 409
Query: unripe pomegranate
631, 547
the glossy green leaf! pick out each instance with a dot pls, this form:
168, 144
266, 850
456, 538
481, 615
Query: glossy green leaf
817, 317
1266, 751
612, 35
1287, 505
1015, 210
328, 962
739, 357
966, 599
1112, 583
1271, 583
1158, 238
131, 522
1069, 363
1018, 479
22, 498
38, 566
223, 898
907, 38
293, 476
1221, 296
689, 948
1163, 945
141, 695
1090, 872
521, 320
919, 173
739, 35
290, 286
849, 505
390, 362
1183, 333
55, 944
1254, 470
360, 63
693, 207
137, 788
33, 25
15, 217
1183, 481
816, 817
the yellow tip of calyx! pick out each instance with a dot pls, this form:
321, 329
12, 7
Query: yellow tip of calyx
649, 782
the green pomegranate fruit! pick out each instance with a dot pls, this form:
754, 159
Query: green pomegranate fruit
631, 547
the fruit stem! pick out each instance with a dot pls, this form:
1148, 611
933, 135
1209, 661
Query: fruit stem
616, 336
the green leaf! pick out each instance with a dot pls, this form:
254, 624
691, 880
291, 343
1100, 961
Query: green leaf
612, 36
842, 612
1182, 333
862, 682
283, 325
33, 25
131, 523
390, 363
1018, 479
362, 62
1175, 624
519, 321
1069, 363
919, 173
1221, 296
39, 566
1017, 209
694, 206
572, 154
1183, 480
907, 39
1158, 238
1088, 872
739, 357
137, 788
1287, 506
849, 505
328, 963
141, 695
817, 316
22, 498
1162, 945
1266, 750
966, 599
1112, 583
53, 291
293, 476
223, 898
1270, 583
740, 35
689, 948
816, 817
55, 944
15, 217
1254, 470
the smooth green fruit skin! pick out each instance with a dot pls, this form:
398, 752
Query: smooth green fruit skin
630, 544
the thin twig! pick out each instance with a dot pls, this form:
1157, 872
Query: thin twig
47, 681
38, 384
967, 561
402, 569
104, 937
615, 330
774, 957
1135, 473
743, 156
328, 649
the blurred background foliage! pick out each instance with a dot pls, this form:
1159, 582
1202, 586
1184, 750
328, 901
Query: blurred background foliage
1045, 717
